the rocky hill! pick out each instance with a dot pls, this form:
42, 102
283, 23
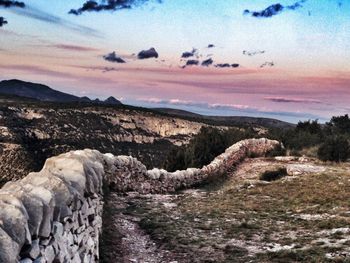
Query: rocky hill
30, 132
228, 120
44, 93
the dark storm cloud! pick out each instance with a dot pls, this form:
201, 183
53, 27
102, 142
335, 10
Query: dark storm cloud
267, 64
7, 4
112, 57
108, 5
2, 21
274, 9
150, 53
189, 54
253, 53
207, 62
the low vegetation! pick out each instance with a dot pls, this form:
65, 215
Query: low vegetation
328, 142
204, 147
295, 219
334, 149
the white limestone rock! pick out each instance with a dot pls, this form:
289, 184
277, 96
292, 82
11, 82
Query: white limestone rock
9, 248
300, 169
14, 219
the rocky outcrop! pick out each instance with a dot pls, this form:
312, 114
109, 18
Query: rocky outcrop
55, 215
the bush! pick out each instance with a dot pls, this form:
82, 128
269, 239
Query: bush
334, 149
297, 139
309, 126
340, 124
204, 147
273, 175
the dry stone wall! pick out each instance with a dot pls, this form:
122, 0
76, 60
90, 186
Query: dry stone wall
56, 215
131, 175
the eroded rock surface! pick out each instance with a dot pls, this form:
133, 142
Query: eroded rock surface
32, 133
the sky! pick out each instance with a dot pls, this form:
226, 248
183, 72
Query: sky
293, 56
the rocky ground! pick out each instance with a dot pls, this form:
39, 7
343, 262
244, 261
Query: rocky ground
304, 216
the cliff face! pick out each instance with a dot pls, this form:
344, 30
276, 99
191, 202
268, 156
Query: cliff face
154, 127
121, 125
31, 134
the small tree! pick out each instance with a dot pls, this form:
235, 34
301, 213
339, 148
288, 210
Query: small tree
340, 124
309, 126
334, 149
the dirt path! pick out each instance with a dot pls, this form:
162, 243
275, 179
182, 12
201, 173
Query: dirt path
123, 240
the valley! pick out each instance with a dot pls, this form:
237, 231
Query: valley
265, 209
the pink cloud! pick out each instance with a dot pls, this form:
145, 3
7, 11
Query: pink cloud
292, 100
221, 106
229, 108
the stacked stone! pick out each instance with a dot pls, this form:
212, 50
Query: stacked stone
163, 181
54, 215
127, 174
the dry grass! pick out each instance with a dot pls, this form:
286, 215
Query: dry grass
288, 220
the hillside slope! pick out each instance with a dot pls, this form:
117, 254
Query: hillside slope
44, 93
228, 120
32, 132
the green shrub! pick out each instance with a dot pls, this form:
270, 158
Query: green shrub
309, 126
340, 124
335, 149
203, 148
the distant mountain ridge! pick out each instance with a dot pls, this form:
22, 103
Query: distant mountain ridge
17, 89
44, 93
227, 120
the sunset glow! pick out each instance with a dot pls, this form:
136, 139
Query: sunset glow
309, 48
